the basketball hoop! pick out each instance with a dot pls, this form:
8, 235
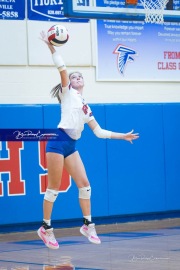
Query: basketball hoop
154, 10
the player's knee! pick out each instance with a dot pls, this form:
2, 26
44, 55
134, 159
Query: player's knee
85, 192
51, 195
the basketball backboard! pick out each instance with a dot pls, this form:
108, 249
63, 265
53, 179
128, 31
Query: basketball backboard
116, 10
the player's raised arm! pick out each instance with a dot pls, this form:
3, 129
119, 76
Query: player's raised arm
57, 59
106, 134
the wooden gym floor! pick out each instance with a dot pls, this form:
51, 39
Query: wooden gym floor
145, 245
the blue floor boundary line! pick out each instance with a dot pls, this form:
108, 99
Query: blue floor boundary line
17, 227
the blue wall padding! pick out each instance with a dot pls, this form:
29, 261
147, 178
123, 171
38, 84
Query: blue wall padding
171, 124
136, 170
18, 116
94, 155
142, 177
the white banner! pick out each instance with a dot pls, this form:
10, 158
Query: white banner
133, 51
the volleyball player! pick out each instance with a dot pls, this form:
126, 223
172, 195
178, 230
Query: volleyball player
75, 112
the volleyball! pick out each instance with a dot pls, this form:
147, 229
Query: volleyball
58, 35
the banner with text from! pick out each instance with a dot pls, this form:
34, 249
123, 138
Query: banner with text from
135, 50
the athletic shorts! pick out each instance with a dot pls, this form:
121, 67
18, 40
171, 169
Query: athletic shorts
65, 146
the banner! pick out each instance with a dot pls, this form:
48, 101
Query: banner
32, 135
135, 50
48, 10
12, 9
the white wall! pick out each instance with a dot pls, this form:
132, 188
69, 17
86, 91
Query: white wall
27, 73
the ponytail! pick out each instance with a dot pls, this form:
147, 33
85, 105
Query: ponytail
55, 92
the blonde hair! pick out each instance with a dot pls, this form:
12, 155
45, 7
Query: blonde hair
55, 90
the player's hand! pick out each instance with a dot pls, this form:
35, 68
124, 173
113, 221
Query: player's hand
43, 37
130, 136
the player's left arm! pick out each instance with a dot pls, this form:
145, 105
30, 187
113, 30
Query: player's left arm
106, 134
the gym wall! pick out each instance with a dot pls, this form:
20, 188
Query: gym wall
126, 179
27, 73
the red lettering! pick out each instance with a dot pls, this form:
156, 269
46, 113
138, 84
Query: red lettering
167, 65
165, 55
12, 166
171, 55
43, 178
42, 163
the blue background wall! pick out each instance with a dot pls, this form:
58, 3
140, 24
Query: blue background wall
126, 179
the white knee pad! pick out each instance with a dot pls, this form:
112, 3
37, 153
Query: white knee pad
85, 192
51, 195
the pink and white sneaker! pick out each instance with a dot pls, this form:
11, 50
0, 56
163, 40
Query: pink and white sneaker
48, 237
90, 232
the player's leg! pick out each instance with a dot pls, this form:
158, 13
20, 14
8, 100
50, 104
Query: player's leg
75, 168
55, 163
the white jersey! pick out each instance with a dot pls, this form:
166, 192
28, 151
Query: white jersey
74, 112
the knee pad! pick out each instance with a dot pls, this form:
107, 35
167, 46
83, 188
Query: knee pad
51, 195
85, 192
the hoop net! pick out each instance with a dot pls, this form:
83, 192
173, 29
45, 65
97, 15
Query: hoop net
154, 10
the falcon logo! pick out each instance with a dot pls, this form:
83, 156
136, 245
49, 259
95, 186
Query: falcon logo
125, 55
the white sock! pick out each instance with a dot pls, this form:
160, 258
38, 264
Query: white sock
48, 221
88, 217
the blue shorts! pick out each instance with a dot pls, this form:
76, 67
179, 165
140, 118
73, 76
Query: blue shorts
65, 146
